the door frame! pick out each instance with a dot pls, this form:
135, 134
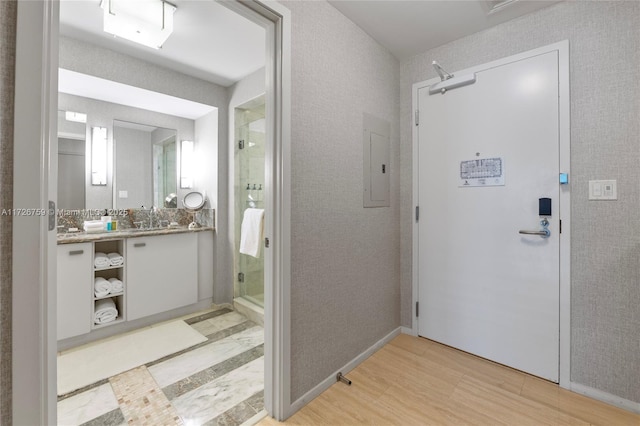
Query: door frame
34, 369
562, 48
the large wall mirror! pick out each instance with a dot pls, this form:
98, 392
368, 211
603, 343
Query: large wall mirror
141, 161
71, 160
146, 172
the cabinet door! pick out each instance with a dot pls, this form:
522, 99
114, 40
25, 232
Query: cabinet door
74, 283
162, 274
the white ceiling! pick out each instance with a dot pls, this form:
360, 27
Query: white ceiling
212, 43
408, 28
209, 41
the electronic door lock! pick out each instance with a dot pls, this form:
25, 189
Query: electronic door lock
544, 206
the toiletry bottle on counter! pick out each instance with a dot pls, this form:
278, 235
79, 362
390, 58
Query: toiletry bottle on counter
106, 221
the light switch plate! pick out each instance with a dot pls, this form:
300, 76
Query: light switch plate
123, 194
603, 190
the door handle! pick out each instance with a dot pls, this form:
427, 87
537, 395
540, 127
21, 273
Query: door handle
543, 233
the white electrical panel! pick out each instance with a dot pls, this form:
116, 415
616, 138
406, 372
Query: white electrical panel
376, 155
603, 190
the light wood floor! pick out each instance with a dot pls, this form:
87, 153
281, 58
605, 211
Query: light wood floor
414, 381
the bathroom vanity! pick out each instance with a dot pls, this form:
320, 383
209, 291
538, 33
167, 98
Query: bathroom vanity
163, 269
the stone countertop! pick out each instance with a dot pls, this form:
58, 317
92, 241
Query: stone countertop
83, 237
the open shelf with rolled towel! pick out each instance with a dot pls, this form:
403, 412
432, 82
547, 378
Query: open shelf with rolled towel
108, 283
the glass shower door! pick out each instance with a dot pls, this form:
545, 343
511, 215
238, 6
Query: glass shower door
249, 193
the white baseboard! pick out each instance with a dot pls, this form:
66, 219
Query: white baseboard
409, 331
326, 383
614, 400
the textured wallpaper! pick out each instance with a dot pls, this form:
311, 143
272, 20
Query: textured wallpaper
604, 40
345, 276
7, 67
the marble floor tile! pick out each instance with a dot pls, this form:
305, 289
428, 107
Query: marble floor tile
221, 322
215, 398
207, 315
219, 335
189, 363
141, 400
85, 406
251, 337
209, 374
113, 417
218, 381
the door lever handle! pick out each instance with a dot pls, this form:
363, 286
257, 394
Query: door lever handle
544, 233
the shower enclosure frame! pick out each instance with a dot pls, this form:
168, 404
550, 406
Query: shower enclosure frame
33, 313
248, 271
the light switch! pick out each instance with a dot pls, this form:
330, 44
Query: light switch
123, 194
603, 190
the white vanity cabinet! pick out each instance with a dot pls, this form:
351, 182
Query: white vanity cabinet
74, 289
162, 273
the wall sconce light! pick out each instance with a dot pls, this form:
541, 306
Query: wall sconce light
187, 164
99, 156
77, 117
148, 22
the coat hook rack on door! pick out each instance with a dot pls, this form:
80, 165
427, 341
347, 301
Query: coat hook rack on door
449, 81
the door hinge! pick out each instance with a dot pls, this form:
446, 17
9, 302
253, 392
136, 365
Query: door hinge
266, 242
417, 117
240, 277
417, 309
417, 213
560, 226
241, 144
52, 215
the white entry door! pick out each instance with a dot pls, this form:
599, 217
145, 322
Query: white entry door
487, 153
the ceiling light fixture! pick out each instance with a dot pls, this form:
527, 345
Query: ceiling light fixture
148, 22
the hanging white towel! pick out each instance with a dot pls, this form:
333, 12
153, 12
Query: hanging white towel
115, 259
101, 287
105, 311
100, 260
251, 232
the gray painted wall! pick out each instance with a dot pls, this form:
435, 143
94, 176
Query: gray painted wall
604, 42
345, 276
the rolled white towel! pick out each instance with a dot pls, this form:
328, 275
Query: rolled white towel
92, 226
102, 287
105, 311
116, 285
100, 260
115, 259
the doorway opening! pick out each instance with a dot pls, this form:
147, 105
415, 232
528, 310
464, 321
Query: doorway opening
34, 313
